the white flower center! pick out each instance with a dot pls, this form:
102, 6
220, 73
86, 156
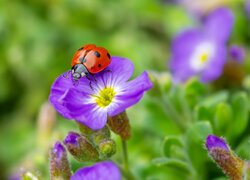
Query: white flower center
202, 56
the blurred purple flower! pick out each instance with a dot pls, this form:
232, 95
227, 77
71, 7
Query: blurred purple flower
202, 51
99, 171
213, 141
112, 93
237, 53
248, 7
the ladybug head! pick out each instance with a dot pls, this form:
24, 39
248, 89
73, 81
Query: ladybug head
78, 71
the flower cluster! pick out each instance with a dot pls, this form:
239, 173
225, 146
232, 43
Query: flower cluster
92, 103
60, 168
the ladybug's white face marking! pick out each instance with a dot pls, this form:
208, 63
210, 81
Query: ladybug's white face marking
78, 71
83, 74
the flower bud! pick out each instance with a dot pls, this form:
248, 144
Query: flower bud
107, 148
246, 170
119, 124
59, 165
100, 135
86, 131
161, 82
45, 122
80, 147
29, 176
237, 53
222, 155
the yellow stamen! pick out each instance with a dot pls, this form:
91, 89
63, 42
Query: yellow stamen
204, 57
105, 97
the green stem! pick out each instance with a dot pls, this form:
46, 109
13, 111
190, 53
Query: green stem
126, 174
125, 170
125, 155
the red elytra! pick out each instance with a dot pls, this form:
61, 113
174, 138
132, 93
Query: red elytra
95, 59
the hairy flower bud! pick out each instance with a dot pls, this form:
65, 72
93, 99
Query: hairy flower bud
246, 173
59, 165
224, 157
161, 83
80, 147
95, 136
107, 148
29, 176
119, 124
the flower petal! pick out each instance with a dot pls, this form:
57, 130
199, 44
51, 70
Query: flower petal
58, 91
99, 171
121, 69
213, 141
215, 68
83, 109
218, 24
182, 49
129, 94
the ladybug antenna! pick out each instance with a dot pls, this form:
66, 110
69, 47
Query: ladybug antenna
66, 74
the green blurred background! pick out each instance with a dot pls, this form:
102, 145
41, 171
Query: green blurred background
37, 42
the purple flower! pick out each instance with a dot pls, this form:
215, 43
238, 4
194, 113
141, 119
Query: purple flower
237, 53
110, 94
215, 142
202, 51
99, 171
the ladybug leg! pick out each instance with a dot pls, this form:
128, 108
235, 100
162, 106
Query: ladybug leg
90, 83
66, 74
94, 78
107, 70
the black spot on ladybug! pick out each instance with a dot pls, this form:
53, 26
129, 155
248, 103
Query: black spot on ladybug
82, 59
108, 55
97, 54
99, 65
80, 49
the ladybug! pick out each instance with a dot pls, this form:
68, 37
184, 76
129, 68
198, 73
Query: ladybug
89, 60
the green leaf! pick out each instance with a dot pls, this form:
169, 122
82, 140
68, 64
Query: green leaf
212, 100
194, 86
240, 110
199, 131
243, 148
223, 116
169, 143
195, 137
194, 90
202, 113
174, 163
